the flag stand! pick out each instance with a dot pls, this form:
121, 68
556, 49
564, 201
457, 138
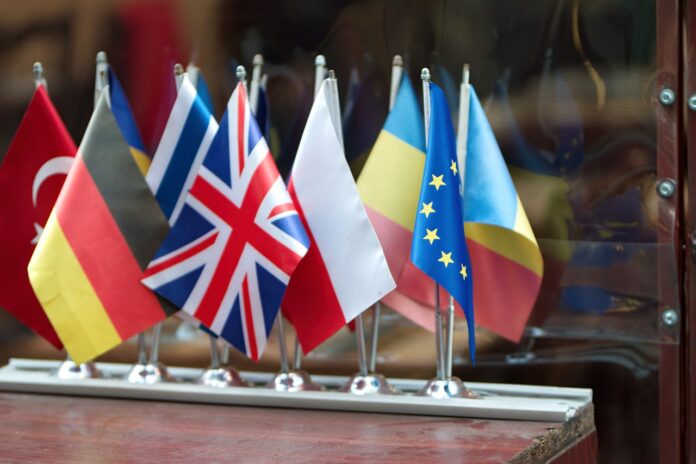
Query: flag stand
217, 375
396, 75
308, 384
443, 385
289, 380
364, 382
67, 370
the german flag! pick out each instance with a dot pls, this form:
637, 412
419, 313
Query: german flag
104, 229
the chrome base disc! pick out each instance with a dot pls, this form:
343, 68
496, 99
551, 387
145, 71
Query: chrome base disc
446, 388
370, 384
293, 381
221, 377
149, 374
68, 370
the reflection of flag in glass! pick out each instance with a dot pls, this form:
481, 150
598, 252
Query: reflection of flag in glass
104, 229
439, 247
230, 254
126, 123
31, 176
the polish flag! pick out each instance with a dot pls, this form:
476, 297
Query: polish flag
345, 271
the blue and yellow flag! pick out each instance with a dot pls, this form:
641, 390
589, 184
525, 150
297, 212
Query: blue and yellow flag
439, 246
126, 122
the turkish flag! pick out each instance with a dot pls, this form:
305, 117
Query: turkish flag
31, 176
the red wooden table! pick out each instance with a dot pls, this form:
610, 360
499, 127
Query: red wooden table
38, 428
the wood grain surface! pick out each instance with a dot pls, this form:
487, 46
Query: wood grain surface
39, 428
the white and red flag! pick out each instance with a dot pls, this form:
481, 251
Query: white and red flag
31, 176
344, 271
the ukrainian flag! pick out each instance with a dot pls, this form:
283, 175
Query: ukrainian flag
126, 122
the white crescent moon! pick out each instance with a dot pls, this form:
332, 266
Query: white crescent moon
52, 167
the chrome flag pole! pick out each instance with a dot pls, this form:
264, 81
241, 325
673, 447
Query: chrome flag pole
445, 385
396, 75
365, 382
255, 83
319, 74
68, 370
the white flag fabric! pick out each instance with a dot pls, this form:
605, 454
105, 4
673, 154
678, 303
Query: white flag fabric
344, 271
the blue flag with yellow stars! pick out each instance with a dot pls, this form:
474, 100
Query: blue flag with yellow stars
439, 246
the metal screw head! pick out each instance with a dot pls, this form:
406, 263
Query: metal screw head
666, 188
667, 96
692, 102
670, 317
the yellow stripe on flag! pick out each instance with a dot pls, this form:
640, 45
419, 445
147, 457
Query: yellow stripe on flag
507, 243
69, 300
522, 225
391, 179
141, 159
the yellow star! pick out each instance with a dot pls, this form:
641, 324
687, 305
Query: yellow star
463, 272
427, 209
431, 235
453, 167
437, 181
446, 258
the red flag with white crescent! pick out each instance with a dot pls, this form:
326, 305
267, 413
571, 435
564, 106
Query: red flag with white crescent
31, 176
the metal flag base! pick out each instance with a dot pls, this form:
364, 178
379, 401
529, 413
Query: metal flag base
446, 388
221, 377
370, 384
149, 374
68, 370
293, 381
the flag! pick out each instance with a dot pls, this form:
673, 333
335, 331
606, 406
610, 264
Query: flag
237, 240
345, 270
439, 247
126, 122
504, 250
102, 232
184, 143
195, 76
31, 176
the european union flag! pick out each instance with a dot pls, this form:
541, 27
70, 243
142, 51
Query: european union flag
439, 246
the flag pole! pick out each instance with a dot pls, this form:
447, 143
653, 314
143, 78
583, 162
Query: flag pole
439, 348
365, 382
38, 75
157, 329
68, 370
295, 379
255, 83
462, 133
241, 78
396, 75
319, 73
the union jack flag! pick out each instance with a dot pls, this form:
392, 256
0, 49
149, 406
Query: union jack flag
228, 257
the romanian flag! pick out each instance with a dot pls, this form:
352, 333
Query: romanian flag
104, 229
126, 123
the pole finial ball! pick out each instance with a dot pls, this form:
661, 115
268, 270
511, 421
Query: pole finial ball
425, 74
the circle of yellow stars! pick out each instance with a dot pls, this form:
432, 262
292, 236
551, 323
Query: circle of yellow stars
427, 209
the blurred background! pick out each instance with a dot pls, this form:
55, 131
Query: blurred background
568, 86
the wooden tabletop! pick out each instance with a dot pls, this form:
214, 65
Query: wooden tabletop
39, 428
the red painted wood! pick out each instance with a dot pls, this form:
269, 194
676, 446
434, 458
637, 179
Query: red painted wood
689, 235
36, 428
669, 215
